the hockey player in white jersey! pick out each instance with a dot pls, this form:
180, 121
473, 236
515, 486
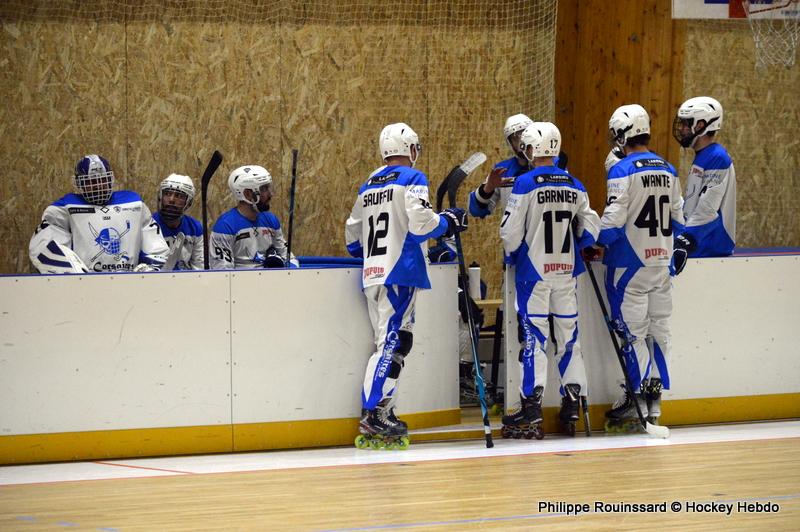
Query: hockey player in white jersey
184, 234
710, 194
97, 229
389, 226
547, 222
245, 237
642, 215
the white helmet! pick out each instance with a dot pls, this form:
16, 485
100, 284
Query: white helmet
515, 123
181, 183
543, 137
690, 113
249, 177
397, 139
626, 122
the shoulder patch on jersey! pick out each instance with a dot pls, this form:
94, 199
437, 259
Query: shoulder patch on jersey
650, 163
554, 178
383, 179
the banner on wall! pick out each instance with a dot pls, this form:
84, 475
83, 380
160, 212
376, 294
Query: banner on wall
735, 9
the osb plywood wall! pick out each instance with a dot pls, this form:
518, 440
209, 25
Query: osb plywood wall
760, 128
155, 88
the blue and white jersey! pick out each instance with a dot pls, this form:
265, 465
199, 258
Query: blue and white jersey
117, 236
546, 223
710, 203
643, 208
389, 226
185, 243
239, 243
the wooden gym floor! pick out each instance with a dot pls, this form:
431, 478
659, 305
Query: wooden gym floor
456, 485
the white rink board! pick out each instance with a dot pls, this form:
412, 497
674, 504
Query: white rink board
123, 351
301, 341
735, 332
102, 352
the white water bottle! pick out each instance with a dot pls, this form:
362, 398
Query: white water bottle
474, 274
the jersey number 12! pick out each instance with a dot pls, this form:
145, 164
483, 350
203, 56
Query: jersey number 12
376, 233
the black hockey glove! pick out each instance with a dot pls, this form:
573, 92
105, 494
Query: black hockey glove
441, 252
456, 220
683, 245
273, 259
685, 241
679, 257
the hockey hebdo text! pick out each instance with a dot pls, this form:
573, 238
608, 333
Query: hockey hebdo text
677, 506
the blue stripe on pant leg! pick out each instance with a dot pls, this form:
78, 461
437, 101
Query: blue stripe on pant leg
400, 300
564, 363
532, 334
661, 364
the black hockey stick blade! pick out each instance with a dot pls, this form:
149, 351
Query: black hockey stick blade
458, 175
563, 158
441, 192
213, 164
657, 431
291, 205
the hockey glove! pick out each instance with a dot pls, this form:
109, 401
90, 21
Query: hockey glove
679, 257
685, 241
273, 259
441, 252
145, 268
591, 253
456, 220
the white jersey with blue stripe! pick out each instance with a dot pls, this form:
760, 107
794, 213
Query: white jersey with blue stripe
239, 243
710, 203
116, 236
643, 207
537, 229
185, 243
389, 226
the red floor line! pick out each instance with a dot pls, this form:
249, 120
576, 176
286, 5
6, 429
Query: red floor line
146, 468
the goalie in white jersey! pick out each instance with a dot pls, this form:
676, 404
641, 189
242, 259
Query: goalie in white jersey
389, 226
642, 213
248, 236
710, 193
546, 224
97, 229
184, 234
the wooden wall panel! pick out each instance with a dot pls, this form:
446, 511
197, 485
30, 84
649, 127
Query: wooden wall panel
610, 55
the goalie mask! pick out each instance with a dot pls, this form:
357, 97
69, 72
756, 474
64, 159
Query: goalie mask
540, 139
94, 179
175, 195
515, 125
397, 139
252, 178
627, 121
687, 126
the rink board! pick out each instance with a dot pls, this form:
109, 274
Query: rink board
103, 366
735, 338
98, 366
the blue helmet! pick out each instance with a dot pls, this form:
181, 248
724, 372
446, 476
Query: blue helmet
94, 179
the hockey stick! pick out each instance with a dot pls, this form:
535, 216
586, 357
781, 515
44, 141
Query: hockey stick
213, 164
450, 186
291, 207
658, 431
